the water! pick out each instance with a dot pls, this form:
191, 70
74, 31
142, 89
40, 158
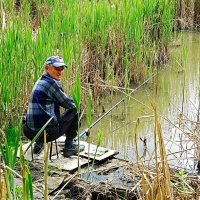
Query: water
175, 95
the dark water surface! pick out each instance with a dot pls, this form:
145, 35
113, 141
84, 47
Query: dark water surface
175, 95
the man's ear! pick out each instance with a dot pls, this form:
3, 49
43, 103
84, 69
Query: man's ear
46, 68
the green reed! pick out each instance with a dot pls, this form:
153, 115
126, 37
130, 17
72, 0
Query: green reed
76, 95
126, 35
89, 108
8, 150
26, 177
89, 121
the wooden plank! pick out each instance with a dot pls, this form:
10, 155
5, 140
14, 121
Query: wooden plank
70, 163
101, 152
61, 162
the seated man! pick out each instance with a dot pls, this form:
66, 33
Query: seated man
45, 101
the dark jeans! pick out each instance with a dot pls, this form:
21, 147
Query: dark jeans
68, 125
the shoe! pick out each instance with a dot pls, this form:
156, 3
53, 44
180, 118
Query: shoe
67, 152
38, 147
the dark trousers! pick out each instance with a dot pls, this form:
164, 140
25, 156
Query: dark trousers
68, 125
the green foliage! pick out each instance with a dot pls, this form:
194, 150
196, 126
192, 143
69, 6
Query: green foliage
89, 108
29, 185
181, 183
19, 192
181, 173
27, 178
121, 33
99, 139
76, 92
9, 150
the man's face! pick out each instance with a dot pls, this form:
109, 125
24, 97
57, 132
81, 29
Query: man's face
55, 72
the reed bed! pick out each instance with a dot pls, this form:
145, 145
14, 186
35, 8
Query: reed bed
187, 14
156, 184
158, 180
112, 42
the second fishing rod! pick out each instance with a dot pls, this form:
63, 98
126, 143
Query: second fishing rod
87, 130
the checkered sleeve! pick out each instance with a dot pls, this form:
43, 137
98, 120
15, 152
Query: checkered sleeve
61, 97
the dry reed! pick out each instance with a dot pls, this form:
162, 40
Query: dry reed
157, 186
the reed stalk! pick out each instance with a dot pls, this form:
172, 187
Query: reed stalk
8, 151
26, 177
136, 144
198, 114
158, 187
46, 150
38, 135
7, 183
3, 191
76, 95
19, 176
99, 141
89, 121
1, 184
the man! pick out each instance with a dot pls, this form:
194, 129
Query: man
46, 99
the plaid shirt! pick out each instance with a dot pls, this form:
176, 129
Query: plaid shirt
45, 101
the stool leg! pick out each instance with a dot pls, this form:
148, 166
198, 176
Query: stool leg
32, 152
50, 154
56, 148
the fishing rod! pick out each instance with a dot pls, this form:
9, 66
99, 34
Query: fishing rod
87, 130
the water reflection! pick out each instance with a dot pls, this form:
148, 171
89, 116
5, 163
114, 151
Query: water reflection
176, 99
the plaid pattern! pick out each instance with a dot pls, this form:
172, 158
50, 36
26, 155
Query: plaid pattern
46, 98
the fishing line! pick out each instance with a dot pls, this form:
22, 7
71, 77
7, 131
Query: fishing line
87, 130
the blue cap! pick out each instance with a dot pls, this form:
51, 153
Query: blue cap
56, 61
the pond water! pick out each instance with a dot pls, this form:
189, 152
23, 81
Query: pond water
175, 94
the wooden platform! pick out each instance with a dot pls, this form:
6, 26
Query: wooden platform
91, 152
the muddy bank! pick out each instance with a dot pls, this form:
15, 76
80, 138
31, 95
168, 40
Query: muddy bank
113, 179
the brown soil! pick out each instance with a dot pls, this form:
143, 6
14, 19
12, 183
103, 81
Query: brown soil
113, 179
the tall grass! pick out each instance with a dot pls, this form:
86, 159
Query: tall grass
8, 150
76, 95
123, 37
